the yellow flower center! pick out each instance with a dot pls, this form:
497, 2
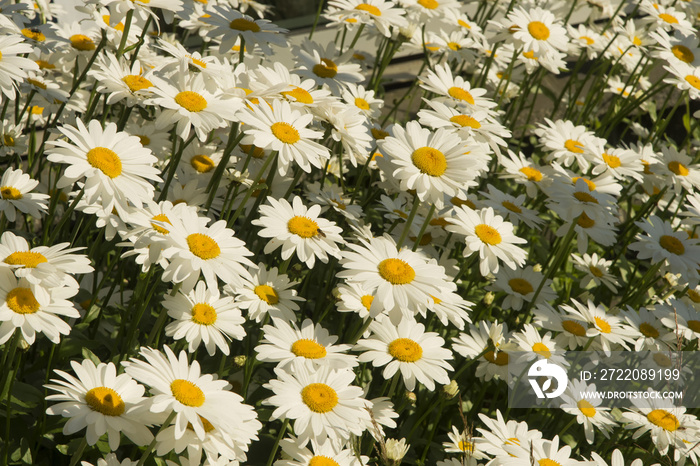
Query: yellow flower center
9, 140
361, 103
145, 140
512, 207
285, 132
454, 46
242, 24
693, 81
33, 34
198, 62
105, 160
302, 226
36, 83
466, 446
463, 23
43, 64
137, 83
602, 324
371, 9
203, 246
500, 359
678, 168
586, 408
322, 461
105, 401
430, 161
10, 193
308, 349
694, 325
191, 101
187, 393
203, 314
520, 286
22, 301
588, 40
319, 397
670, 19
461, 94
267, 294
366, 301
547, 462
542, 350
255, 152
683, 53
538, 30
574, 146
487, 234
664, 419
161, 218
574, 328
396, 271
648, 330
672, 244
300, 95
202, 163
595, 271
694, 296
429, 4
532, 174
584, 221
325, 69
28, 259
585, 197
405, 350
612, 160
591, 185
208, 426
82, 42
466, 120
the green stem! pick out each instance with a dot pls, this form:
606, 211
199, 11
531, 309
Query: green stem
125, 32
152, 445
426, 222
78, 453
273, 453
409, 221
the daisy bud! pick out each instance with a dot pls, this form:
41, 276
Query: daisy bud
671, 279
410, 397
489, 297
336, 293
450, 390
406, 33
537, 268
22, 344
239, 361
396, 450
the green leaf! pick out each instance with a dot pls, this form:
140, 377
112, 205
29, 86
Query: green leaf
87, 354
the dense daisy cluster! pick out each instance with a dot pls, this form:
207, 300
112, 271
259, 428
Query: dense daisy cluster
223, 243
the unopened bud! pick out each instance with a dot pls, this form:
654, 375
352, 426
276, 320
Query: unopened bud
537, 268
22, 344
410, 397
451, 389
239, 361
396, 450
336, 293
489, 297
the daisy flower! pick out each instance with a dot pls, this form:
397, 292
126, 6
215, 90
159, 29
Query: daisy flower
571, 327
662, 243
596, 270
536, 346
15, 194
608, 329
418, 354
567, 143
13, 66
490, 236
121, 81
499, 433
461, 442
322, 403
523, 171
661, 419
521, 284
685, 78
202, 315
676, 166
493, 340
194, 249
401, 281
188, 103
677, 48
381, 14
180, 387
312, 346
431, 163
326, 67
44, 267
267, 293
321, 453
115, 168
587, 410
683, 320
455, 89
620, 163
542, 452
667, 17
30, 312
651, 334
229, 24
537, 30
101, 402
511, 207
298, 229
284, 130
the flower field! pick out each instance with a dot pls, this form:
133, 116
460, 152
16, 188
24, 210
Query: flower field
224, 243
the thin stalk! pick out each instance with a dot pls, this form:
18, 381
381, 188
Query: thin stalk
125, 32
409, 221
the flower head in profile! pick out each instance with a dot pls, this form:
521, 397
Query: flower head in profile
16, 194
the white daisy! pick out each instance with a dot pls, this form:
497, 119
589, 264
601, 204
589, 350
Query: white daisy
662, 243
268, 292
101, 401
15, 194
